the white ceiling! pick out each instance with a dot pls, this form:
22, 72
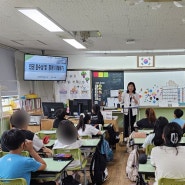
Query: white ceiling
118, 21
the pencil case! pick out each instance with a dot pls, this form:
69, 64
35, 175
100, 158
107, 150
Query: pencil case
62, 157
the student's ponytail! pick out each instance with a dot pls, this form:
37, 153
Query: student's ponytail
172, 135
81, 123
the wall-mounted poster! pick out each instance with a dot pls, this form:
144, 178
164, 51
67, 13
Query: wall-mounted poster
76, 86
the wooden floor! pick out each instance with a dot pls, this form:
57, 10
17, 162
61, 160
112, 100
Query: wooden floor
116, 168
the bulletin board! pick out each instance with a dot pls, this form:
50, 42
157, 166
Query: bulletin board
103, 82
76, 86
158, 88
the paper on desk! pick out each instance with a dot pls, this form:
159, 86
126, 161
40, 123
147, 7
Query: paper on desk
112, 102
107, 115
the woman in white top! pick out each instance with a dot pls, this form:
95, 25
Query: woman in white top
169, 159
130, 99
84, 128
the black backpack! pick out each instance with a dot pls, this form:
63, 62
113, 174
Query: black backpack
97, 167
68, 180
113, 136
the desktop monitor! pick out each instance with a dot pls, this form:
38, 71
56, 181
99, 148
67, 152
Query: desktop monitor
78, 106
49, 108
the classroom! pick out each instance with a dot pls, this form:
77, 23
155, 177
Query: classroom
140, 41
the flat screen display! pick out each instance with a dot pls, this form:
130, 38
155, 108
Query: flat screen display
39, 67
78, 106
50, 108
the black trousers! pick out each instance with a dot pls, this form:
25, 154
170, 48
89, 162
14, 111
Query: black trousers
129, 124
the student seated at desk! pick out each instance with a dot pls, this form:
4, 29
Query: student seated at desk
147, 122
20, 120
84, 128
96, 117
14, 165
60, 115
67, 137
169, 158
178, 113
156, 137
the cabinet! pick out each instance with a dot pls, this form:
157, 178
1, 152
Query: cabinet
9, 103
34, 128
46, 124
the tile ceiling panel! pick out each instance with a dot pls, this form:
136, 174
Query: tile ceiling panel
117, 20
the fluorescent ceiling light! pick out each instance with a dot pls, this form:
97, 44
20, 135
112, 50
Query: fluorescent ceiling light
40, 18
177, 4
138, 51
74, 43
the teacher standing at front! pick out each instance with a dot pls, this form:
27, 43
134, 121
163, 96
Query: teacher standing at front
130, 99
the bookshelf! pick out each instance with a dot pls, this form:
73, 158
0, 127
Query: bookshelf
31, 104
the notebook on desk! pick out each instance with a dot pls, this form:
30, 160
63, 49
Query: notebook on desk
107, 115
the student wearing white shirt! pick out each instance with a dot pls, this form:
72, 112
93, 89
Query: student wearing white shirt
67, 137
84, 128
169, 159
130, 99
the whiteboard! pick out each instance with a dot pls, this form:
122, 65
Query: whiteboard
158, 87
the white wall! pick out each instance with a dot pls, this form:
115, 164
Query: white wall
46, 90
122, 62
8, 83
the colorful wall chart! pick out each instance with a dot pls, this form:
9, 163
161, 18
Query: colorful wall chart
76, 86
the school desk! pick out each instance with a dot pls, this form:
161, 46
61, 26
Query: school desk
147, 131
53, 169
140, 141
47, 124
85, 142
147, 170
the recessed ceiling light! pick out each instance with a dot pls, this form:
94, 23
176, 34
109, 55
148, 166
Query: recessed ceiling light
74, 43
41, 18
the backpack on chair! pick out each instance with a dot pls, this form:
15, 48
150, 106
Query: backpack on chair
98, 166
133, 165
113, 136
